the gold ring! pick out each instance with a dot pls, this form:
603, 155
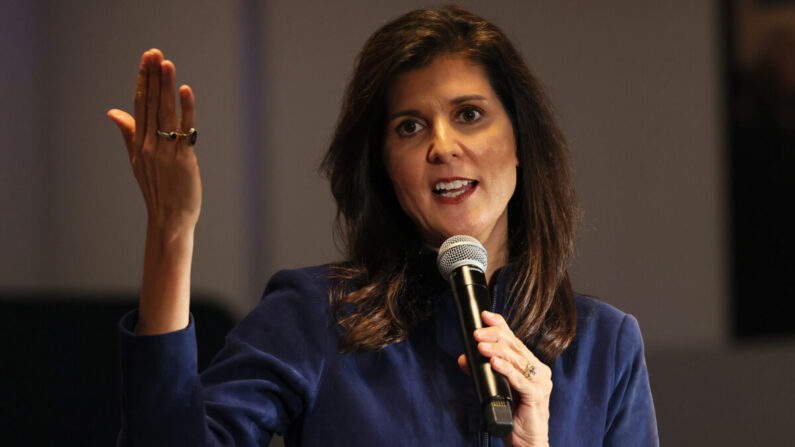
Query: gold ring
191, 133
529, 371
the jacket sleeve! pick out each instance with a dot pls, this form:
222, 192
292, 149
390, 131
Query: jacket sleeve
631, 420
260, 382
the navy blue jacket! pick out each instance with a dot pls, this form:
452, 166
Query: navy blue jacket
280, 371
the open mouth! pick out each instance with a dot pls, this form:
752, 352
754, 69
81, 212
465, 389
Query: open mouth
454, 188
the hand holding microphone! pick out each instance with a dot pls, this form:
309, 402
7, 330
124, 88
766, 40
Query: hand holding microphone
502, 362
462, 261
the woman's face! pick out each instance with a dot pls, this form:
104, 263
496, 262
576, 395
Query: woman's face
450, 152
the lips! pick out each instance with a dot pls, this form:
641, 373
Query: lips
454, 190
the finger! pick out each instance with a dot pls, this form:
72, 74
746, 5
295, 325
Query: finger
463, 364
498, 331
152, 97
516, 379
167, 114
495, 334
533, 393
510, 349
126, 125
139, 102
531, 369
500, 350
501, 336
493, 319
147, 168
188, 104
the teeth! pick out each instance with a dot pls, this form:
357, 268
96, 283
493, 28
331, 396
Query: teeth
452, 194
452, 189
455, 184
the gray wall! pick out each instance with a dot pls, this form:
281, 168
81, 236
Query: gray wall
636, 85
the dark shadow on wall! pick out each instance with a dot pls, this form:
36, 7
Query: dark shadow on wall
60, 364
759, 53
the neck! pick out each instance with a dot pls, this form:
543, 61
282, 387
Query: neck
498, 257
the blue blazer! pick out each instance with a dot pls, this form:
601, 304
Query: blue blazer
280, 371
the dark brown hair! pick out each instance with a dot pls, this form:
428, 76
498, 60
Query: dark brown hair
379, 238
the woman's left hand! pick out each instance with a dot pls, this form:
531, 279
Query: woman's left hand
530, 380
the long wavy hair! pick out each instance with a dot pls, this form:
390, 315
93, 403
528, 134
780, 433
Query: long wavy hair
379, 239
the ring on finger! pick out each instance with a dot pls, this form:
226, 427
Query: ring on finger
192, 134
529, 371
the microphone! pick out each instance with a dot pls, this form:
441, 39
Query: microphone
462, 261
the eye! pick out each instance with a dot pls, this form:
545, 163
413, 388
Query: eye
408, 128
470, 114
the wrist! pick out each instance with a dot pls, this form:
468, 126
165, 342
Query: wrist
170, 231
165, 292
522, 439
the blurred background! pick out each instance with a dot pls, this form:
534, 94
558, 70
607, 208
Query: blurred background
641, 88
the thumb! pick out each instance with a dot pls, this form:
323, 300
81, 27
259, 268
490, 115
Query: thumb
126, 124
462, 363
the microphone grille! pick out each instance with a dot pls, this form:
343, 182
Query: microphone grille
461, 250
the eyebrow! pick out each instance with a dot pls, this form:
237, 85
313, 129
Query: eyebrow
462, 99
455, 101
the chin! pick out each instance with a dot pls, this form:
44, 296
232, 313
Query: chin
440, 236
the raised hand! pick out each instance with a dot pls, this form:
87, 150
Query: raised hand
167, 170
168, 174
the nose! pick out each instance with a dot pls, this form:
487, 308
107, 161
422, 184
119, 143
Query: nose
444, 147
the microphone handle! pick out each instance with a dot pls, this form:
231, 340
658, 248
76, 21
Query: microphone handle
472, 296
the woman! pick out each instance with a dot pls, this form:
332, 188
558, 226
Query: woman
443, 131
